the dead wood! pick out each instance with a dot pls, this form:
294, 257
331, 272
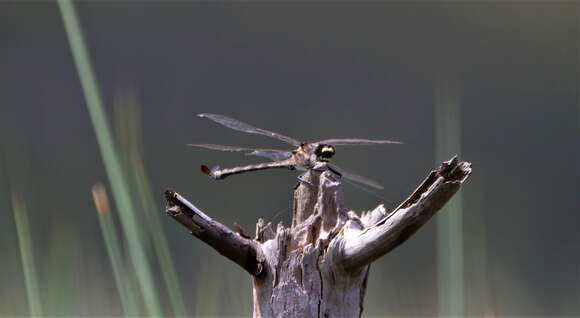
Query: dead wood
242, 251
318, 267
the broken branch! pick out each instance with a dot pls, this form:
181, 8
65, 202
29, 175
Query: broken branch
364, 245
242, 251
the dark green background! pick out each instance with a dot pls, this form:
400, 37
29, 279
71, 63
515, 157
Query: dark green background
311, 70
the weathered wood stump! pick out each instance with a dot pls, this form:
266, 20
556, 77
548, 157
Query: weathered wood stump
318, 267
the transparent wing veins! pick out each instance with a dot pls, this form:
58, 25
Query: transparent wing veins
357, 178
272, 154
356, 142
275, 155
243, 127
220, 147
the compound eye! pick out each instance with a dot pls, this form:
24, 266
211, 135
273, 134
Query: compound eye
327, 151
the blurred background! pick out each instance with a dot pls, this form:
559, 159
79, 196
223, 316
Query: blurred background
98, 102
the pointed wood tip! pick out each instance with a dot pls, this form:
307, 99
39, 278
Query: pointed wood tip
170, 196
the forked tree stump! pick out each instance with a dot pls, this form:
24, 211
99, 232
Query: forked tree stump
319, 266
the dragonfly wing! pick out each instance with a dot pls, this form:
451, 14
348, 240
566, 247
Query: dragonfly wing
356, 142
243, 127
220, 147
275, 155
356, 178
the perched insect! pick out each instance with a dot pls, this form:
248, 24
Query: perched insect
304, 157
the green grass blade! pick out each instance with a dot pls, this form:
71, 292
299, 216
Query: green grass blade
112, 241
159, 240
26, 253
119, 186
128, 132
449, 222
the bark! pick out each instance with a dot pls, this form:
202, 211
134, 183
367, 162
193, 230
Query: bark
319, 266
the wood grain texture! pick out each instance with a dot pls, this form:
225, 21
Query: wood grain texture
319, 266
363, 246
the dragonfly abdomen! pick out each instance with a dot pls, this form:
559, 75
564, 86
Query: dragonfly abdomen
217, 173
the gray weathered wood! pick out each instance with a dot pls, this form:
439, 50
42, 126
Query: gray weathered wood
318, 267
364, 246
244, 252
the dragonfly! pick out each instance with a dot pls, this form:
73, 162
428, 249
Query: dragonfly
305, 156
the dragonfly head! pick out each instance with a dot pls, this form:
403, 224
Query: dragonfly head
324, 152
